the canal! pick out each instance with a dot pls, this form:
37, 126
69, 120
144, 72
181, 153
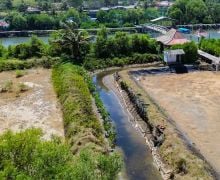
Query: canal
137, 156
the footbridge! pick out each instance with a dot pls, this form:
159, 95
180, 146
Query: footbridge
212, 59
153, 27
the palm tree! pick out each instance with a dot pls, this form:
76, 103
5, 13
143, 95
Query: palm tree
73, 41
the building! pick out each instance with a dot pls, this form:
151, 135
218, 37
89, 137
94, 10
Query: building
4, 25
172, 37
174, 56
166, 4
33, 10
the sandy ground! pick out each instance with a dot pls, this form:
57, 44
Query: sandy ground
193, 101
38, 107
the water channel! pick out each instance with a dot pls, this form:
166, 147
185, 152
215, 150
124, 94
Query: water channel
137, 156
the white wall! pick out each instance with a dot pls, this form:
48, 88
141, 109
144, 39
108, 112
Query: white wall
168, 58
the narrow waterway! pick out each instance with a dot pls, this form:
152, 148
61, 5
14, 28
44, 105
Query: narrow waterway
137, 157
8, 41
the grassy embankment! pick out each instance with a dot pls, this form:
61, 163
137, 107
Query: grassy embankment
83, 130
185, 163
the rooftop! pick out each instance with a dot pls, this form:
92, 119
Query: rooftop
175, 52
172, 37
161, 18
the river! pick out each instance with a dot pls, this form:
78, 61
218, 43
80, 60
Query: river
137, 156
18, 40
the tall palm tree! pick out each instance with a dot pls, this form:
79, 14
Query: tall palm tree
73, 41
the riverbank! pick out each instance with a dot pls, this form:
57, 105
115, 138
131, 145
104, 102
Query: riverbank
138, 124
173, 151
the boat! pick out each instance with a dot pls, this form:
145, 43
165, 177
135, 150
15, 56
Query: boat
184, 30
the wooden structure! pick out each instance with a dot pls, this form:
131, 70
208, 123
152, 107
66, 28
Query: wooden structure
172, 57
210, 59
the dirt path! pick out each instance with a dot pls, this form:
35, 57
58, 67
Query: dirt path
193, 102
38, 107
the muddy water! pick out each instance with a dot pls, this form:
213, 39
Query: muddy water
137, 157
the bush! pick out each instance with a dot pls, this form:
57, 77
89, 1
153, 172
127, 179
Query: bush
83, 129
25, 156
7, 87
13, 64
92, 63
22, 87
211, 46
19, 73
191, 52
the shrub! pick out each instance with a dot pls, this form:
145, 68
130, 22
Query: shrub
19, 73
92, 63
22, 87
7, 87
83, 129
191, 52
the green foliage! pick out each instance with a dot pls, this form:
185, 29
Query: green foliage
7, 87
19, 73
92, 63
13, 64
122, 44
118, 18
72, 42
191, 52
75, 98
34, 48
26, 156
211, 46
83, 129
22, 87
189, 11
108, 126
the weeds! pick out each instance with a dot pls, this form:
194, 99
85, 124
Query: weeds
22, 87
19, 73
7, 87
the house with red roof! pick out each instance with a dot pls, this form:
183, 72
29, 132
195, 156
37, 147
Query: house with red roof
4, 25
172, 37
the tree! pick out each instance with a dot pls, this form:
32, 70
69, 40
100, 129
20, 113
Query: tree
73, 42
19, 22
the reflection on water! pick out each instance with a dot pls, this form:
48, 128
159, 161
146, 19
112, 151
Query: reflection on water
18, 40
137, 157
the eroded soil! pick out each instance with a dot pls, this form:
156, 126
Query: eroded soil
37, 107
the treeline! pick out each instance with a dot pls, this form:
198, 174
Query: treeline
120, 18
59, 4
211, 46
123, 44
45, 21
195, 11
54, 20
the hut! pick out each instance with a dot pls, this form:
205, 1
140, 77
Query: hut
4, 25
172, 37
172, 57
33, 10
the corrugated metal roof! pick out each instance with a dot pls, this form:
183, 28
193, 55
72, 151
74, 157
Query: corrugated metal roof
160, 18
172, 37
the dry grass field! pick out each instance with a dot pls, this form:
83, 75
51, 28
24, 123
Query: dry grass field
193, 101
29, 101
